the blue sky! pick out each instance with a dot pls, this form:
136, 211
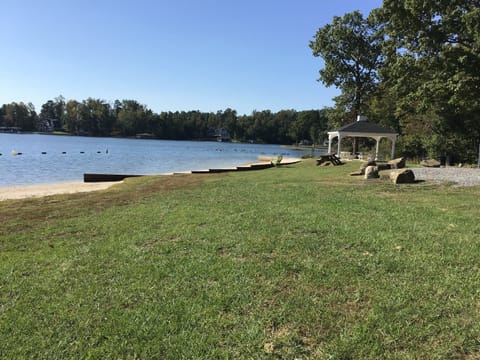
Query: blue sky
170, 55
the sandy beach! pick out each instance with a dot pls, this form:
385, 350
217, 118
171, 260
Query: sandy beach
22, 192
28, 191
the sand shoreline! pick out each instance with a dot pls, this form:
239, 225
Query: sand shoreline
29, 191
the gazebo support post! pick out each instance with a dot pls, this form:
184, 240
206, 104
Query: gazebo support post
393, 149
377, 147
330, 138
339, 143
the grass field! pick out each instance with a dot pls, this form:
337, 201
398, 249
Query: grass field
290, 262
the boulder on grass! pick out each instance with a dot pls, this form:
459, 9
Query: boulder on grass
398, 163
371, 172
382, 167
366, 164
430, 163
402, 176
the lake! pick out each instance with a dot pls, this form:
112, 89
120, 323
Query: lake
41, 159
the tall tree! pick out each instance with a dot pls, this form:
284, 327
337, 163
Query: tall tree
350, 47
72, 123
433, 57
19, 115
133, 118
52, 114
228, 120
283, 122
94, 117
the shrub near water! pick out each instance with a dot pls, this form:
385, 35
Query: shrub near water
290, 262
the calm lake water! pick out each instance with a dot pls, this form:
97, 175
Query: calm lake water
52, 159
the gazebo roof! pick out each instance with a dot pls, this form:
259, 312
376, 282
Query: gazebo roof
364, 126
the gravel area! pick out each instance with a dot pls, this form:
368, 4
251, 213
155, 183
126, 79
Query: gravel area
461, 176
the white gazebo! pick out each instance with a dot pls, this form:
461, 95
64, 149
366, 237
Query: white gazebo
362, 128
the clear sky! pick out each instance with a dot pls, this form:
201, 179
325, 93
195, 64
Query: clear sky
170, 55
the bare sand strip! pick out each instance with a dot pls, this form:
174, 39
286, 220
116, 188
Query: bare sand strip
28, 191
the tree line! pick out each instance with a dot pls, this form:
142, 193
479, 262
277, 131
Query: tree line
412, 66
128, 118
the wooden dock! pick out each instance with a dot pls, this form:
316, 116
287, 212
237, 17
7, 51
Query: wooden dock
247, 167
105, 177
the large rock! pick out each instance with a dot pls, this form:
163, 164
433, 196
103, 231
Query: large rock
366, 164
430, 163
398, 163
371, 172
402, 176
382, 167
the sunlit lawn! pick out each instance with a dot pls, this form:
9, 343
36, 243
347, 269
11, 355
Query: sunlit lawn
290, 262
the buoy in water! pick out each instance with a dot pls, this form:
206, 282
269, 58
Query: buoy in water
14, 153
82, 152
64, 152
44, 152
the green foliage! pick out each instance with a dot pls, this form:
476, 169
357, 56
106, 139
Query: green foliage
133, 118
51, 115
435, 70
426, 79
350, 48
95, 117
18, 115
72, 117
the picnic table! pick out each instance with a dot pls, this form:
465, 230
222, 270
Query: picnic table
331, 158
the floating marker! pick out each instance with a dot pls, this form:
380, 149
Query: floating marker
64, 152
44, 152
14, 153
82, 152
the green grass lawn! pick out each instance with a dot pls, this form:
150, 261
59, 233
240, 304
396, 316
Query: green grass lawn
290, 262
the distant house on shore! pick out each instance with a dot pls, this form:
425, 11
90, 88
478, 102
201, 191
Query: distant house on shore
49, 125
10, 129
145, 136
219, 134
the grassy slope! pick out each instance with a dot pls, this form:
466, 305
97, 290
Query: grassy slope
289, 262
